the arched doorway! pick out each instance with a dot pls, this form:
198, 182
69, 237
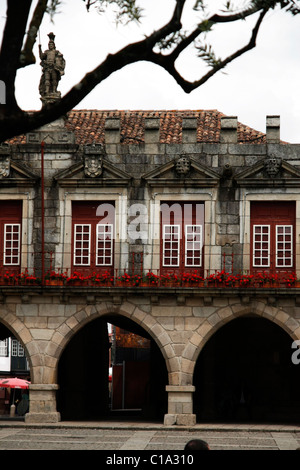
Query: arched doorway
245, 373
140, 375
13, 363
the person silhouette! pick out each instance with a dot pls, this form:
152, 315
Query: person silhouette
196, 444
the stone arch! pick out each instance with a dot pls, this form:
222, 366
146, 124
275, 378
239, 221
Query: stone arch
66, 331
81, 330
219, 317
22, 333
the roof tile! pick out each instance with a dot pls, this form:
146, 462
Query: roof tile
89, 124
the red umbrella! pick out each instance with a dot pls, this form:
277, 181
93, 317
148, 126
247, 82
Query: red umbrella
14, 383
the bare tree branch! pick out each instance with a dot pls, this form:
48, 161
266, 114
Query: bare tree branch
14, 121
27, 57
167, 62
12, 41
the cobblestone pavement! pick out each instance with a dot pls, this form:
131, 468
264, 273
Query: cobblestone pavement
144, 436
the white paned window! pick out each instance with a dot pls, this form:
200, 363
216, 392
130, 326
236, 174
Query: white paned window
171, 245
12, 243
193, 245
17, 349
104, 244
261, 246
82, 244
284, 246
4, 348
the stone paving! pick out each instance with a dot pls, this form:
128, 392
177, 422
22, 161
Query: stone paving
144, 436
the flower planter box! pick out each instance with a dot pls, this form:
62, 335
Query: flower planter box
54, 282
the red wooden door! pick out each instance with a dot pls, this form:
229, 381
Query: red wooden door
93, 236
273, 236
10, 236
182, 235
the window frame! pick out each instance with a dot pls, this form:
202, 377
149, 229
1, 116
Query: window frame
193, 249
291, 258
111, 242
164, 257
275, 215
6, 247
81, 256
261, 249
191, 222
85, 213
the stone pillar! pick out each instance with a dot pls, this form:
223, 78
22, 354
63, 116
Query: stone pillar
228, 130
189, 131
112, 135
152, 136
180, 405
152, 126
42, 404
273, 129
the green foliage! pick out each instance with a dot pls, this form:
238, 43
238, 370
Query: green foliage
52, 7
168, 42
206, 53
292, 6
125, 10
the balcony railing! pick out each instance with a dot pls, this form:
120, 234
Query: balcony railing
151, 278
229, 276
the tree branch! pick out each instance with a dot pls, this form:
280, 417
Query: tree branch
14, 121
27, 57
167, 62
14, 32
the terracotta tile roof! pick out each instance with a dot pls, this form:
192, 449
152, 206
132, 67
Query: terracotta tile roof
88, 126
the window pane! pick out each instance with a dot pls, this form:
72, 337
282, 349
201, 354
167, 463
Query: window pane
104, 254
82, 241
193, 247
284, 246
261, 245
4, 348
171, 245
12, 235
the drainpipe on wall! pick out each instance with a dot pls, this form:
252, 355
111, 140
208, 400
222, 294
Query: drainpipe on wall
43, 212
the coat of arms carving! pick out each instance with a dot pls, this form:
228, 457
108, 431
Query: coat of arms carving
4, 167
182, 165
93, 166
272, 165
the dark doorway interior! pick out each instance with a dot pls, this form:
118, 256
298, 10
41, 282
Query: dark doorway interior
85, 393
245, 373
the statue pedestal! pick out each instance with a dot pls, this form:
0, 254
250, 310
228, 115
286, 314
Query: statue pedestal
50, 98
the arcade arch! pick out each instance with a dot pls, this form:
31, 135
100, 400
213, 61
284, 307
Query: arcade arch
245, 373
139, 374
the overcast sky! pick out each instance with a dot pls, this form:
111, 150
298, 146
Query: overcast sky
265, 81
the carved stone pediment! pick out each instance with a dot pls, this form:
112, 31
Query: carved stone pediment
13, 173
182, 171
270, 171
93, 170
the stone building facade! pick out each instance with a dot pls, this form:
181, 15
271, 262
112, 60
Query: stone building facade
132, 163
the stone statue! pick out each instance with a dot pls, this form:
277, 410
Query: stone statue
53, 67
